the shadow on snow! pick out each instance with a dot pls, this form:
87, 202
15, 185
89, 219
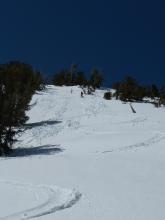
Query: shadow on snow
39, 124
35, 151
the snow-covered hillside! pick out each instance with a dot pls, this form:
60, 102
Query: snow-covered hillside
87, 159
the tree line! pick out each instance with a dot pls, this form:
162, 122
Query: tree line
129, 90
18, 83
73, 76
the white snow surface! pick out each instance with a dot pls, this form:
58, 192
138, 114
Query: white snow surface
87, 159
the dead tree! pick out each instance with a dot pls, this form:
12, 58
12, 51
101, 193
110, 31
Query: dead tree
133, 110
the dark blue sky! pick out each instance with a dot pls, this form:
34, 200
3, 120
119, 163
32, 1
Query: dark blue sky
119, 36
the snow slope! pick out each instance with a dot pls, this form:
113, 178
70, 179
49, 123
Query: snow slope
87, 159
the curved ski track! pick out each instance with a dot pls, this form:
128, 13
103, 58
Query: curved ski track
146, 143
58, 199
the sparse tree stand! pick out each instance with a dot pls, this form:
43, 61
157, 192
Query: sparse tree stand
133, 110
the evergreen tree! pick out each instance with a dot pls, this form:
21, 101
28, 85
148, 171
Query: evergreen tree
116, 87
80, 79
162, 95
70, 77
17, 85
59, 79
96, 79
107, 95
154, 91
127, 89
73, 72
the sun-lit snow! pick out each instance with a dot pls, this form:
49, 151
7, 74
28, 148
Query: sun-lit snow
87, 159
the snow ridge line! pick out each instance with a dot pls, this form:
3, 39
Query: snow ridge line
58, 199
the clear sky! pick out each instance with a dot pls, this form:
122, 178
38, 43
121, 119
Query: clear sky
120, 37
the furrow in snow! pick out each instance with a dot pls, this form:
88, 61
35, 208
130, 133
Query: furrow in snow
153, 140
57, 199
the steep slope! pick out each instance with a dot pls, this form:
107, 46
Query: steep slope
92, 156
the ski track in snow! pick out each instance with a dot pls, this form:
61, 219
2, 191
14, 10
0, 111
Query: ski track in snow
146, 143
57, 199
46, 130
134, 121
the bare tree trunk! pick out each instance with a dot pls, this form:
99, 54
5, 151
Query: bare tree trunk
133, 110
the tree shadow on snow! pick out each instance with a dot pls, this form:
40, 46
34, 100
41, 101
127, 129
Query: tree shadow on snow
39, 124
36, 151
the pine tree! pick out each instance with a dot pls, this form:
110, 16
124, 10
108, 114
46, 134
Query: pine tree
107, 95
59, 79
129, 89
17, 85
96, 78
80, 79
154, 91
